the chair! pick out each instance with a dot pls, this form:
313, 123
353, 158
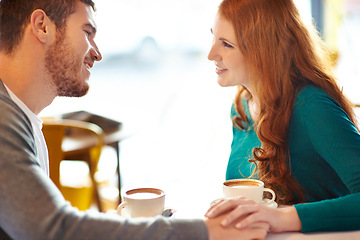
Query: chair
113, 134
85, 146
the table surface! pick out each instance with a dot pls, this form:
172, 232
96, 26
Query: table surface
353, 235
201, 207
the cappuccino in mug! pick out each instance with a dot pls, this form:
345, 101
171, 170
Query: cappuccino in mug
249, 188
142, 202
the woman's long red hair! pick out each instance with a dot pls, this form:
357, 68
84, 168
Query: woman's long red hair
282, 57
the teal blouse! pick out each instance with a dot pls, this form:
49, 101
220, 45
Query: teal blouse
324, 148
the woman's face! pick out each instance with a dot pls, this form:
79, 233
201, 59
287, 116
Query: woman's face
231, 66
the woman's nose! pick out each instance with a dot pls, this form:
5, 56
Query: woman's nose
213, 56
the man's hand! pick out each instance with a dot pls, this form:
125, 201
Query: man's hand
254, 231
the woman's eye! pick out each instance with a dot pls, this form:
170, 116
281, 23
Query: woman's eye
227, 45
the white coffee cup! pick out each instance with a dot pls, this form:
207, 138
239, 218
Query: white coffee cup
249, 188
142, 202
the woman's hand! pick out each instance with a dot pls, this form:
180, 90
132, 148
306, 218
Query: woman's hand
245, 212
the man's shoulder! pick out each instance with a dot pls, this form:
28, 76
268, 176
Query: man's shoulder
7, 105
12, 115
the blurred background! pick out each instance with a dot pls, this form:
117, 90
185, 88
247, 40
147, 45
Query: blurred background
155, 78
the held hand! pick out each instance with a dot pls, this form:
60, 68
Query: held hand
256, 231
245, 212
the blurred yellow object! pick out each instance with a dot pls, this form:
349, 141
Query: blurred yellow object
334, 55
81, 198
113, 134
333, 16
109, 197
79, 141
76, 185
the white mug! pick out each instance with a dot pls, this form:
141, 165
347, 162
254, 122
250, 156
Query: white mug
249, 188
142, 202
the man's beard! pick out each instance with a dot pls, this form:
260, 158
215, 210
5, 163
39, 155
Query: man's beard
64, 69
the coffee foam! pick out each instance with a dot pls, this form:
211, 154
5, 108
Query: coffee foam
242, 183
144, 193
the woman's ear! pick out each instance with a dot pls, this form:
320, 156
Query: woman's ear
40, 25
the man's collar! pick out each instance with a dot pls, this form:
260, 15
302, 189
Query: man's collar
3, 88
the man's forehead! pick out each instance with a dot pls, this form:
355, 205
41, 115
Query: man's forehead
83, 14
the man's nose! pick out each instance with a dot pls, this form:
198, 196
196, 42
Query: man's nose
95, 53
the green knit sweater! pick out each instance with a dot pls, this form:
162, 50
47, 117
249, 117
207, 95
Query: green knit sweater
324, 150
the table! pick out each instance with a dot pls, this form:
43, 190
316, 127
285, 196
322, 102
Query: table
202, 204
351, 235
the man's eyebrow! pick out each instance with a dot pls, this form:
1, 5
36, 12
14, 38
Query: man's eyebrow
91, 26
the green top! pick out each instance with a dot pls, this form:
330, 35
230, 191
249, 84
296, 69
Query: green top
324, 148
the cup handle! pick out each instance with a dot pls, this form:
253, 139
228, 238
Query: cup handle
272, 193
121, 207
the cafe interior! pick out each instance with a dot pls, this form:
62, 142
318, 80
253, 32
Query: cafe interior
155, 115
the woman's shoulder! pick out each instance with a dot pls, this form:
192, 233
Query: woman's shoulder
311, 94
309, 91
313, 103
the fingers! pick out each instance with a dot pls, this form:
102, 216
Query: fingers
226, 205
214, 204
239, 214
242, 214
217, 209
258, 233
262, 225
251, 219
254, 231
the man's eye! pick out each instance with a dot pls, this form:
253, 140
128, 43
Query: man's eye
87, 33
227, 45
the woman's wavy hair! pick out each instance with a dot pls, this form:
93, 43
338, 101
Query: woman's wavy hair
282, 56
15, 15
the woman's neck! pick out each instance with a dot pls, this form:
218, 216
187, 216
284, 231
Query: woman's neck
254, 108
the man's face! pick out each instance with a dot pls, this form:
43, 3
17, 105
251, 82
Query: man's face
69, 59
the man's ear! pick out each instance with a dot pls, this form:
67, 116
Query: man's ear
40, 25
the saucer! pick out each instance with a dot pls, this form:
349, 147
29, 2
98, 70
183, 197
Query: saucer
269, 203
124, 212
168, 212
266, 202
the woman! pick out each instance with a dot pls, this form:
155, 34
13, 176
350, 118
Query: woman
293, 127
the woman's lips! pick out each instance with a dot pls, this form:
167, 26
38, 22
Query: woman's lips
220, 70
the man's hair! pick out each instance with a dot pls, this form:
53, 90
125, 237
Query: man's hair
15, 15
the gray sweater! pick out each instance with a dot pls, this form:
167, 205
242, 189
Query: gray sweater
31, 206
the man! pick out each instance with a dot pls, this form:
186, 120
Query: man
46, 50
